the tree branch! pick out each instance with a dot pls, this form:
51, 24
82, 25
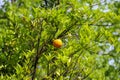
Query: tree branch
46, 3
67, 30
39, 51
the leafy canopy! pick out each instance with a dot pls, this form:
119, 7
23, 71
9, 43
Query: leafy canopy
89, 30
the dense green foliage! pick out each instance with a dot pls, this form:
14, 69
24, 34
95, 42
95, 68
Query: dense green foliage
89, 29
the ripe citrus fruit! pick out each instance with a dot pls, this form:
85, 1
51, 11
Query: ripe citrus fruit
57, 43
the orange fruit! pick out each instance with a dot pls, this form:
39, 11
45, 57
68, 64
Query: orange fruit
57, 43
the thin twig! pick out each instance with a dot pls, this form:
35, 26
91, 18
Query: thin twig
66, 30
